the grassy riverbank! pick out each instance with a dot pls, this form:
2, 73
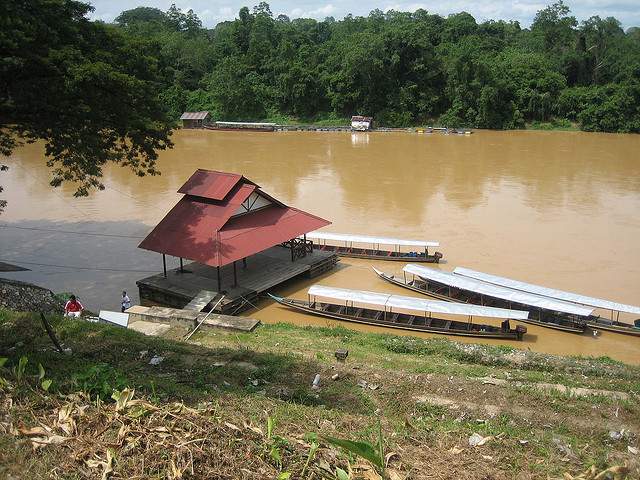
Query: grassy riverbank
429, 395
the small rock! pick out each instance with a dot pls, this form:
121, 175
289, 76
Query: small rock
255, 383
373, 386
219, 364
156, 360
524, 442
316, 382
477, 440
335, 376
616, 435
633, 450
362, 383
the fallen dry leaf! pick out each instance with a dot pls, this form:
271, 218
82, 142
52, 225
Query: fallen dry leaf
456, 450
232, 426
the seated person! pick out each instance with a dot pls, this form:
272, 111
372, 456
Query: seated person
73, 308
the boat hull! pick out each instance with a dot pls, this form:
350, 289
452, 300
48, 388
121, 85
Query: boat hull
402, 283
494, 332
386, 255
625, 330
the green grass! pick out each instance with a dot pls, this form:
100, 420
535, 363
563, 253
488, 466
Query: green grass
269, 372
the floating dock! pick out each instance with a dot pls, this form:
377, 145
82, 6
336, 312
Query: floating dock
195, 287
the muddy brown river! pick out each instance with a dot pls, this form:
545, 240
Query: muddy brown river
561, 209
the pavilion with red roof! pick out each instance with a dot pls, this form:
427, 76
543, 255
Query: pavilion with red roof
224, 218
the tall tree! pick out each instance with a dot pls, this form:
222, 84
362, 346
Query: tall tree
82, 87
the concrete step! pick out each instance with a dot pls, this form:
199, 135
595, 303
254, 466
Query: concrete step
201, 300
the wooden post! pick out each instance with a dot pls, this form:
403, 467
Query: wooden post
52, 335
164, 265
235, 275
218, 275
181, 266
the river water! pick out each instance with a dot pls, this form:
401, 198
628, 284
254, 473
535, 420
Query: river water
561, 209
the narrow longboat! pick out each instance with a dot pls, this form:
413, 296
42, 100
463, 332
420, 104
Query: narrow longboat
612, 324
545, 312
343, 245
344, 304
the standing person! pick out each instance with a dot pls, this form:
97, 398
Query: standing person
126, 301
73, 308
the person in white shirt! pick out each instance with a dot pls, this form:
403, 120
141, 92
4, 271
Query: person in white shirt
126, 301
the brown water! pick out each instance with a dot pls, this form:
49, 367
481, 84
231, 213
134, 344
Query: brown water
561, 209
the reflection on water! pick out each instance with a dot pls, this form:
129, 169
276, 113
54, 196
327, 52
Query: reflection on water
554, 208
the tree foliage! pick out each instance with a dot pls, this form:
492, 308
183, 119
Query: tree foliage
89, 90
403, 68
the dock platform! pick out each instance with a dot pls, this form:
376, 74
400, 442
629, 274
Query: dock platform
197, 282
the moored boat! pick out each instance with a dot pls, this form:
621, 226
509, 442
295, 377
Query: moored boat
343, 245
593, 321
545, 312
377, 309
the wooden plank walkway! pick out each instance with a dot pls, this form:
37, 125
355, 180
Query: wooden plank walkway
201, 300
190, 288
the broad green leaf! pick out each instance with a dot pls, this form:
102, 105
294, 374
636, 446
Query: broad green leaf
362, 449
275, 455
46, 384
341, 474
122, 398
3, 360
40, 371
284, 476
22, 365
311, 437
269, 427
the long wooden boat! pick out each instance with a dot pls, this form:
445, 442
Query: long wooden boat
343, 245
594, 321
379, 312
446, 286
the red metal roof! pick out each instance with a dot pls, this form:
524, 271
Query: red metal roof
201, 226
211, 184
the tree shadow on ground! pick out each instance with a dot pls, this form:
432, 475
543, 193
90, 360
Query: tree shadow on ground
105, 358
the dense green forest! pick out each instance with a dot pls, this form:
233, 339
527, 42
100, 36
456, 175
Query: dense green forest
402, 68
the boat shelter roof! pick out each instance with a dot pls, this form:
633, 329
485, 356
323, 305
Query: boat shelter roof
225, 217
416, 304
546, 292
343, 237
524, 298
194, 115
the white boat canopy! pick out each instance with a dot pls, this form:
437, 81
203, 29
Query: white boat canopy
458, 281
342, 237
416, 304
547, 292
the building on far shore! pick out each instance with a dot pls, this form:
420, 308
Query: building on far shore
361, 123
194, 119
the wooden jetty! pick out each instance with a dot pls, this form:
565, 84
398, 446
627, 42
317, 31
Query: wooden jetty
546, 312
198, 282
222, 221
372, 308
